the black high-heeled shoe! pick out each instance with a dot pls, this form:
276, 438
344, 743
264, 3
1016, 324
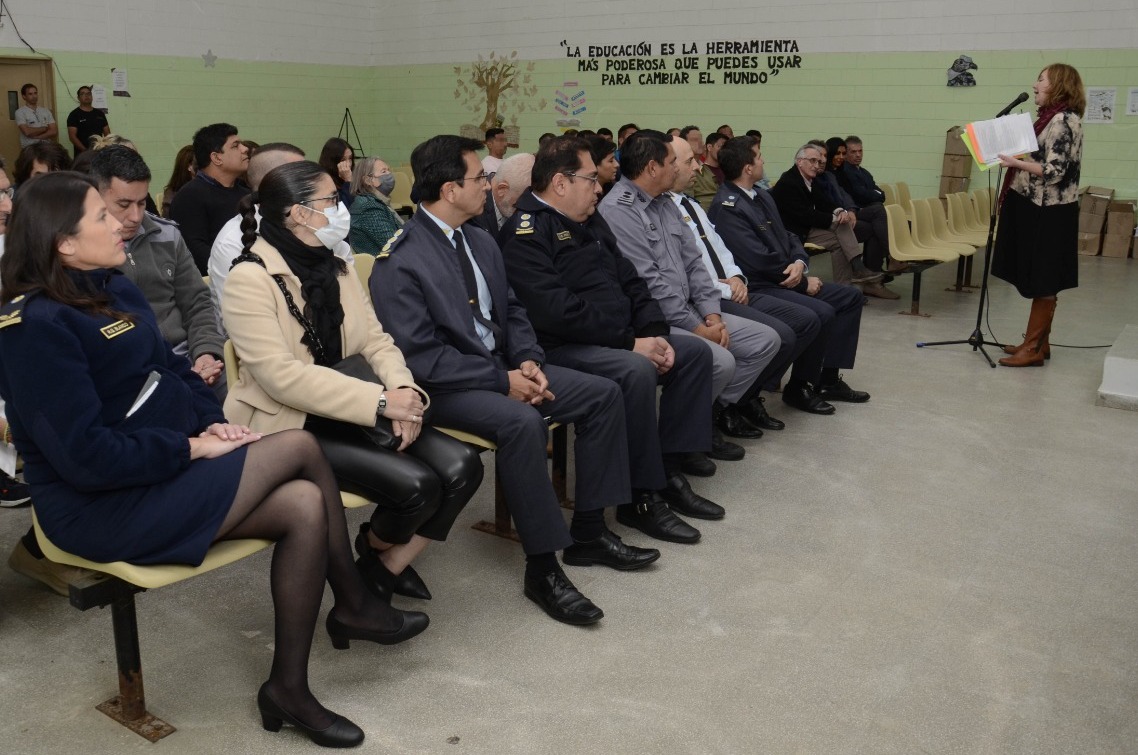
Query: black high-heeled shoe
414, 622
408, 583
340, 733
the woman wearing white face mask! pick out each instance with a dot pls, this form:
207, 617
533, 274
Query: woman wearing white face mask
313, 355
373, 220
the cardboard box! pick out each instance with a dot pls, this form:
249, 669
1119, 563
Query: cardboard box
1120, 219
1089, 223
1094, 200
1116, 246
957, 166
953, 145
952, 184
1090, 244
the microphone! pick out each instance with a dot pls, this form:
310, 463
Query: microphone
1022, 98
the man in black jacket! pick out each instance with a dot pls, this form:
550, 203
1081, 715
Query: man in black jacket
593, 313
811, 216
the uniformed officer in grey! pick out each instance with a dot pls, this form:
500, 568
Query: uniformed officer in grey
652, 234
439, 288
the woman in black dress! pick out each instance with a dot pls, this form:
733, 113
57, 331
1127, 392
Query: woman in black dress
1037, 243
119, 474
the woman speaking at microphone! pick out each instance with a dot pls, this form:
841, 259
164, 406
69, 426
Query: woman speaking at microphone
1036, 246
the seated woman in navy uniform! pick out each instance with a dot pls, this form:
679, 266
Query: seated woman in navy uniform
288, 342
129, 455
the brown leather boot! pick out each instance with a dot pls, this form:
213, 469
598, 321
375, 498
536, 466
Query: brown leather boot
1038, 329
1046, 342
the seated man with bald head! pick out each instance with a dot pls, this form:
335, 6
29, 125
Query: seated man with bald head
227, 246
511, 180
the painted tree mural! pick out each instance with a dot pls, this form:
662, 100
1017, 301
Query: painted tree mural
497, 85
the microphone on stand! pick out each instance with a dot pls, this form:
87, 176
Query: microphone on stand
1022, 98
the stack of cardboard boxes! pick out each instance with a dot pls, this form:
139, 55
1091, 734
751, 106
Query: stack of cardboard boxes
1119, 229
956, 170
1093, 204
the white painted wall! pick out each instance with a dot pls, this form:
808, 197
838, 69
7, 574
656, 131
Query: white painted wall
405, 32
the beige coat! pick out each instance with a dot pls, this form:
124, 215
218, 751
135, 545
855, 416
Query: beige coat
280, 383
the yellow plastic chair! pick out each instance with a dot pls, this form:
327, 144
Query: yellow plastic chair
890, 193
902, 248
923, 231
982, 205
117, 586
962, 223
942, 231
905, 199
401, 193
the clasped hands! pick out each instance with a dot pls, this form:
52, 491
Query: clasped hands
405, 410
529, 384
794, 273
219, 439
658, 351
714, 330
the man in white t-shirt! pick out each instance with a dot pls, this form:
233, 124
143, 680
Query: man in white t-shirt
36, 123
496, 146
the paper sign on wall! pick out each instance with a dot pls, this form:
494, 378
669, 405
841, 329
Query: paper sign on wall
119, 82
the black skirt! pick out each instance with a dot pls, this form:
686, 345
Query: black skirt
1037, 247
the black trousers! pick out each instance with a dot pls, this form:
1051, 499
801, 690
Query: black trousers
684, 422
418, 491
594, 406
837, 309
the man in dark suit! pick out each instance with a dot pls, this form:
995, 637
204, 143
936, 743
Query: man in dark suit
593, 313
811, 216
772, 257
440, 289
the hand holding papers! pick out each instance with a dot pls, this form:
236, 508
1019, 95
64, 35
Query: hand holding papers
1010, 135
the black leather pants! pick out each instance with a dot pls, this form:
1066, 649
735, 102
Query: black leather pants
417, 491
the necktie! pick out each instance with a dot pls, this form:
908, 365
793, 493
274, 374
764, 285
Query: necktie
472, 289
719, 271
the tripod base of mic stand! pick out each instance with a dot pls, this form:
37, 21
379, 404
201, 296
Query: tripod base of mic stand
976, 341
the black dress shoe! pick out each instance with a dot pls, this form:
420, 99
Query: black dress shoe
697, 464
408, 583
609, 550
340, 733
379, 581
653, 517
559, 598
723, 449
732, 424
755, 412
413, 623
839, 391
802, 397
679, 496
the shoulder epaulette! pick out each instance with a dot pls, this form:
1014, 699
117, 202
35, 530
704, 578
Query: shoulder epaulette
389, 247
729, 202
626, 197
525, 224
12, 312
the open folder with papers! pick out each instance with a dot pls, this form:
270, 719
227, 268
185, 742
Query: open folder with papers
1012, 135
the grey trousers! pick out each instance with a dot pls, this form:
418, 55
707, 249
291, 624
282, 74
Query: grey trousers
734, 369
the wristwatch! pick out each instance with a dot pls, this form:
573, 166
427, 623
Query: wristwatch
382, 404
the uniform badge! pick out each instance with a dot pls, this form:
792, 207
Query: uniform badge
564, 235
526, 216
687, 218
524, 224
10, 318
116, 329
391, 242
625, 198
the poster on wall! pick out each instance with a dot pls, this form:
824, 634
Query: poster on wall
99, 98
569, 102
1100, 104
1132, 101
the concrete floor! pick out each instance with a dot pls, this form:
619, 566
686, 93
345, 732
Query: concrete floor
950, 568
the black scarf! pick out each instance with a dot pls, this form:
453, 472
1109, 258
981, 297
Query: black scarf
318, 269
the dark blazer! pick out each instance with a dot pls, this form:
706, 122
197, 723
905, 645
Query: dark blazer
573, 281
754, 232
860, 185
419, 295
801, 208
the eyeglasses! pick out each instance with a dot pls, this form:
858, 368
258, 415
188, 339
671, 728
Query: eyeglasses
329, 198
593, 178
10, 192
815, 161
483, 176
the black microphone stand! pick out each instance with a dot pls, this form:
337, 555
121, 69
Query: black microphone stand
976, 339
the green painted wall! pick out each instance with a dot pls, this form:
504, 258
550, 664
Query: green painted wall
897, 103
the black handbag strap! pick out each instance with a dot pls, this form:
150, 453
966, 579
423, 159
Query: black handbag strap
294, 310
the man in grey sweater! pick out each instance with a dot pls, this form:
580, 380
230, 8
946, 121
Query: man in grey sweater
159, 262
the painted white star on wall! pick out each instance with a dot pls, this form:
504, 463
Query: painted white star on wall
209, 58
